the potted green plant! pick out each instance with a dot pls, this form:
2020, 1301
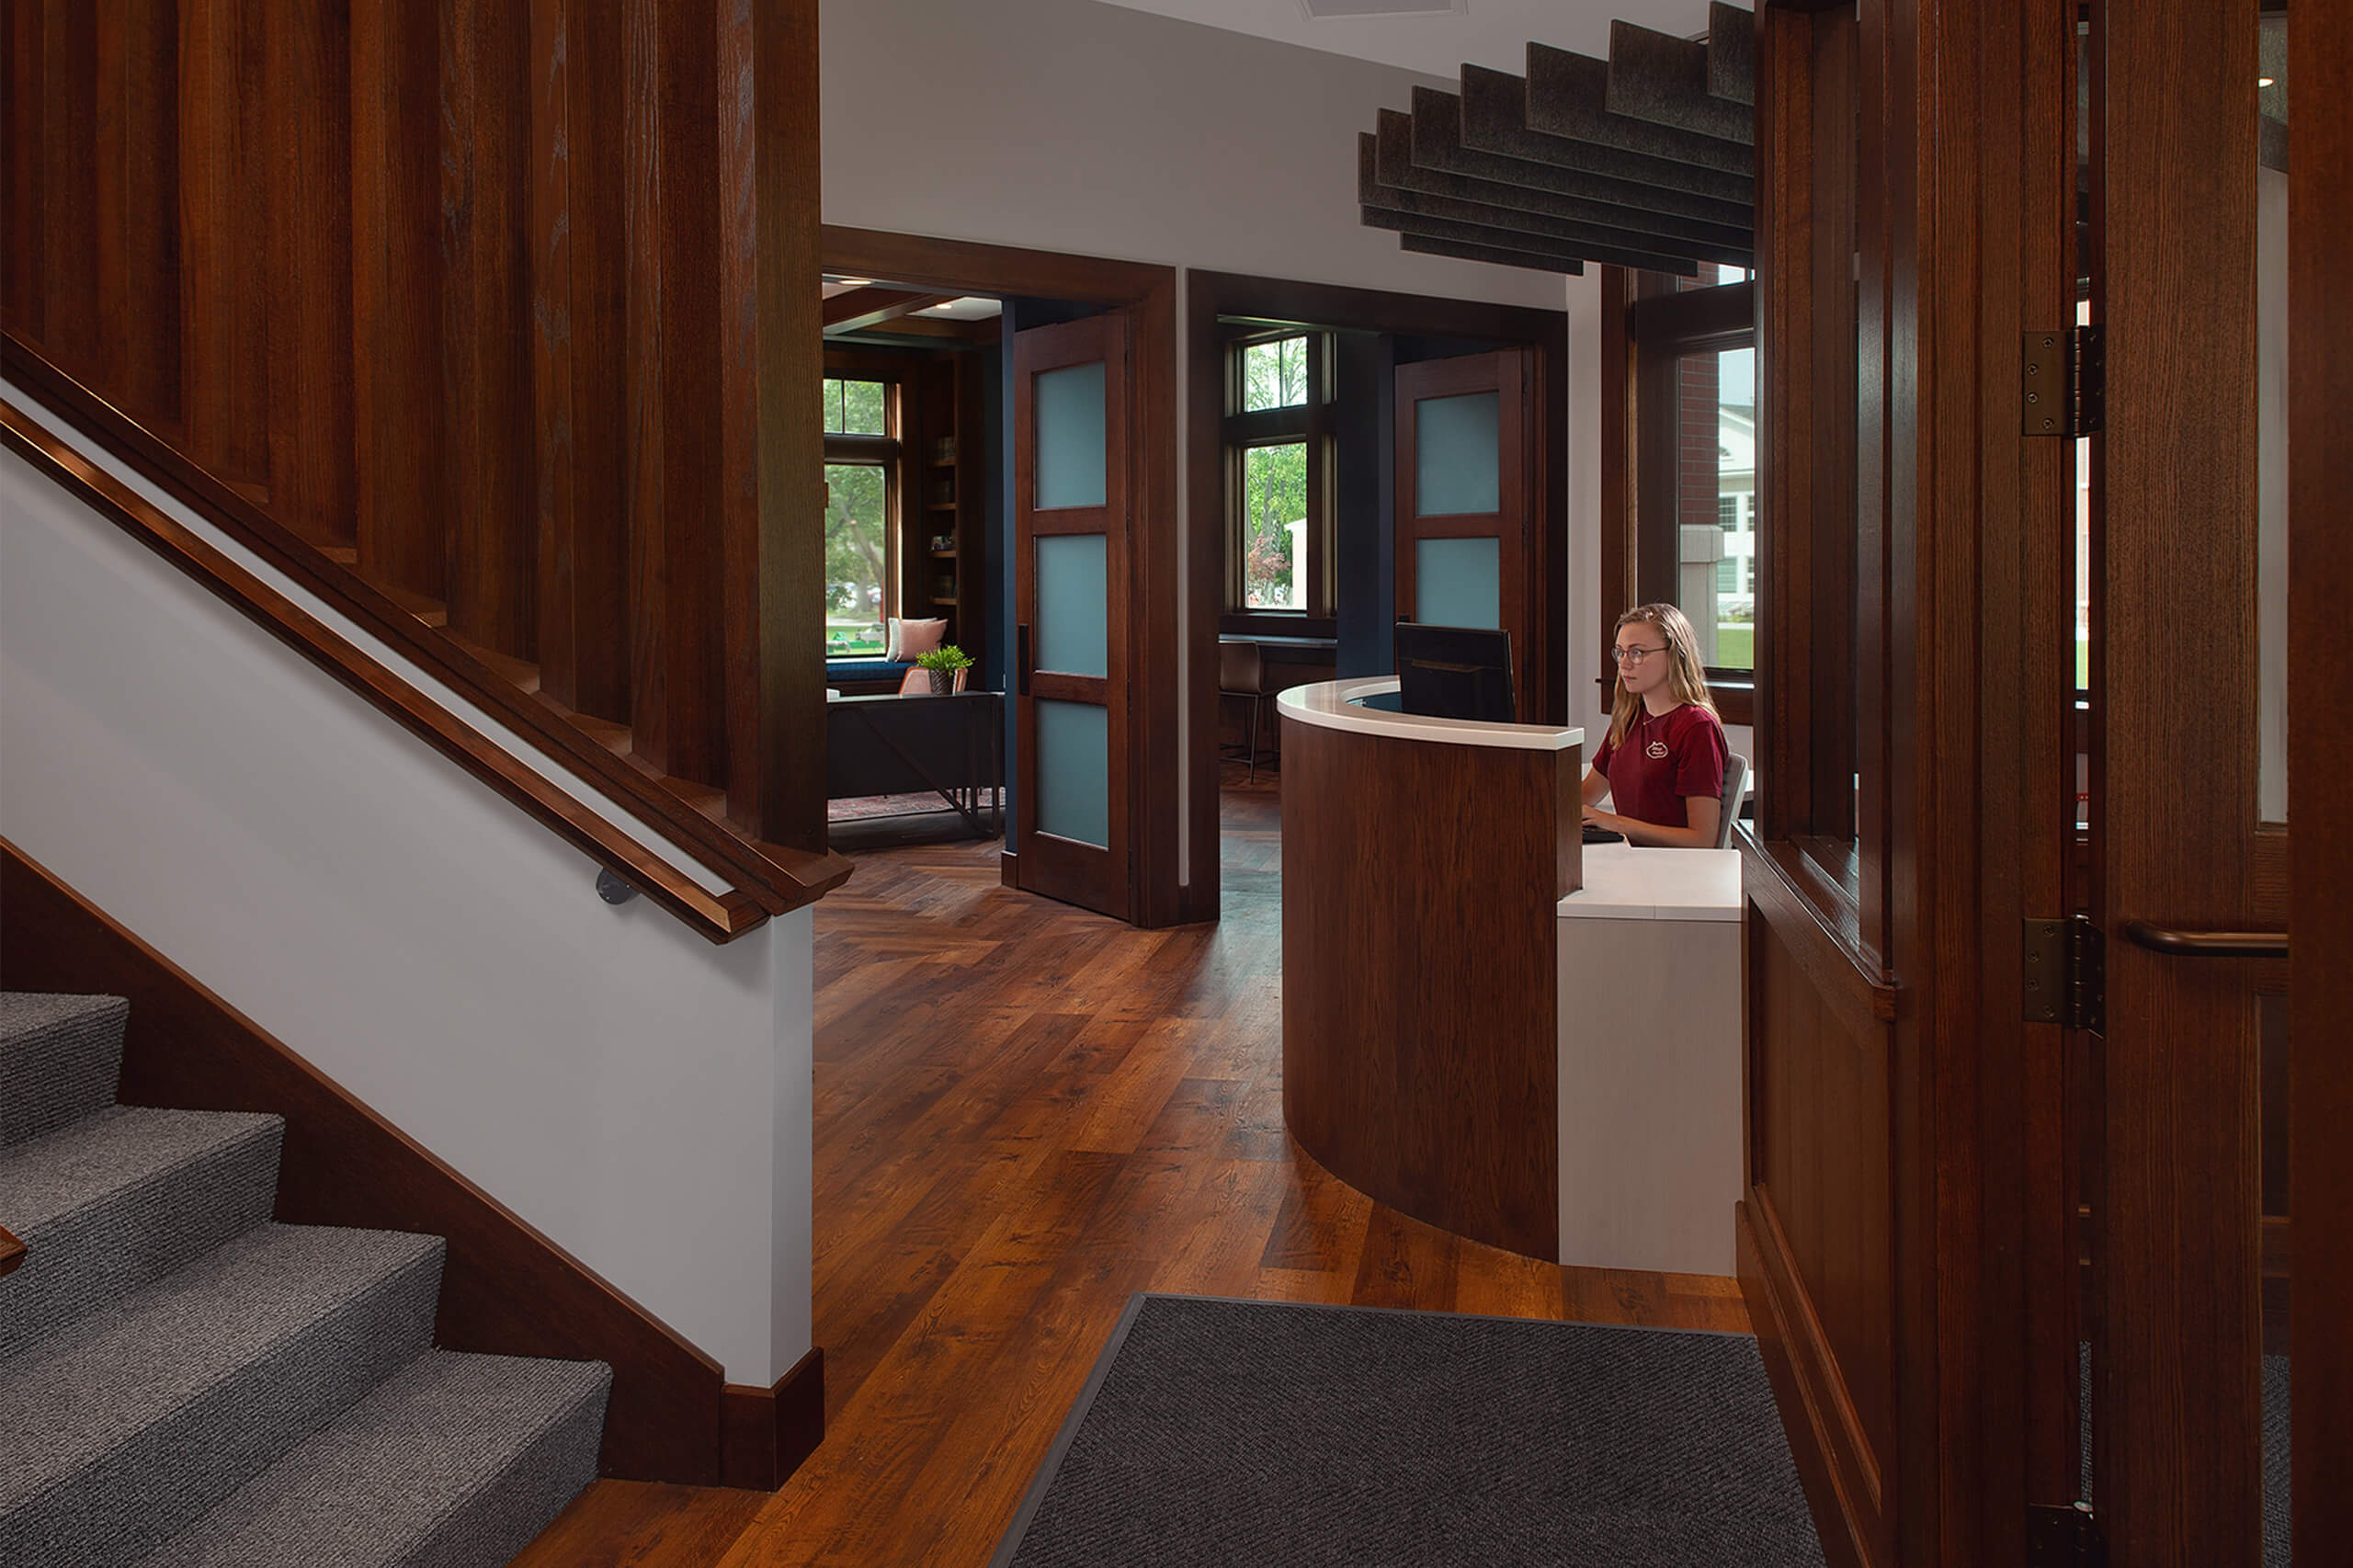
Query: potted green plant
943, 662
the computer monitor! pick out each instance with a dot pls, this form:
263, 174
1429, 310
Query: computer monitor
1455, 672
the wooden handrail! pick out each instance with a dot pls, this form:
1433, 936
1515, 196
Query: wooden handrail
721, 917
775, 877
12, 1252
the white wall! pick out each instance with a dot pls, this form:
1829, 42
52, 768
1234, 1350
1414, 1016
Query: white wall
1065, 125
640, 1094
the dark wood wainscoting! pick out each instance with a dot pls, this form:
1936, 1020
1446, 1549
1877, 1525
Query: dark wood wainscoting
1421, 1041
506, 1289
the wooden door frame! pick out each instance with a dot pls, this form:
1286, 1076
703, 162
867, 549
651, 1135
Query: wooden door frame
1210, 295
1157, 792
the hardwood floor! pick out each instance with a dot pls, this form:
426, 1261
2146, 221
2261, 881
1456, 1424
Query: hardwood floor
1024, 1113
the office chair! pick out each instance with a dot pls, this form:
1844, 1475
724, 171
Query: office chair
1736, 779
1241, 672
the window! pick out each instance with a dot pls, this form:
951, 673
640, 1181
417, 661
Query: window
861, 502
1686, 532
1278, 448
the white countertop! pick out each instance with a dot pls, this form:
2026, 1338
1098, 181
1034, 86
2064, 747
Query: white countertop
1624, 881
1329, 704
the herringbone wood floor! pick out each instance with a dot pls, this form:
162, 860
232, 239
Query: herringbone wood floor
1026, 1112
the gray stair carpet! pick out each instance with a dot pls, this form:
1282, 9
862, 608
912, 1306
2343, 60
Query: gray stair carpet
183, 1383
404, 1477
123, 1198
58, 1059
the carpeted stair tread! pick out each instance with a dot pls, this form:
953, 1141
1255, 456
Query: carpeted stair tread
119, 1430
456, 1462
60, 1057
125, 1197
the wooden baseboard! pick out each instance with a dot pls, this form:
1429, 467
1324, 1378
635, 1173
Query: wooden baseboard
506, 1289
766, 1432
1845, 1538
1008, 868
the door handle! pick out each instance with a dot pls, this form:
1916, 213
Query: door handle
1021, 659
2207, 944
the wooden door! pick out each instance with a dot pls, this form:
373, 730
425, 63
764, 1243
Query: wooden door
1073, 626
2206, 1085
1469, 536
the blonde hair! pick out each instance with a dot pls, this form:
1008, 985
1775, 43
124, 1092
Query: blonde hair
1686, 678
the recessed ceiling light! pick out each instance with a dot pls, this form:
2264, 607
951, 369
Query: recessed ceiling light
2263, 81
856, 282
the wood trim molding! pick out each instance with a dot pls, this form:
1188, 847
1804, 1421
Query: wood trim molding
765, 1433
775, 877
720, 917
12, 1252
506, 1289
1765, 1289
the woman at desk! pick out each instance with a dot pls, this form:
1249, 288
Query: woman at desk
1662, 764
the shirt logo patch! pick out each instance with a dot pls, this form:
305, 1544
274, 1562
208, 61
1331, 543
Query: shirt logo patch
1655, 750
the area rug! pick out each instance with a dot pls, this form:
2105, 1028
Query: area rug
1216, 1433
857, 807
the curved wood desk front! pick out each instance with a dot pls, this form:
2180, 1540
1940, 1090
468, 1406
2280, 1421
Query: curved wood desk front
1423, 860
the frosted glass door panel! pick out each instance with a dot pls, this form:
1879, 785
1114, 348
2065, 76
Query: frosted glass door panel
1073, 770
1072, 638
1069, 436
1458, 581
1458, 455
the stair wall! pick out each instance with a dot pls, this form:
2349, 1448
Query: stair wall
637, 1094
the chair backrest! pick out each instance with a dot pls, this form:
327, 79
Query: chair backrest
917, 682
1735, 780
1238, 667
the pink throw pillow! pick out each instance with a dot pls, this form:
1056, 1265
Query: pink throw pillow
911, 638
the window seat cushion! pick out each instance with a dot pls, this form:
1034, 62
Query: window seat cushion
866, 669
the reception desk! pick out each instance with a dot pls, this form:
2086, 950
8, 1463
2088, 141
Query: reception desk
1488, 1025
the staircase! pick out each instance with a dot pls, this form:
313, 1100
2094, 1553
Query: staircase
185, 1383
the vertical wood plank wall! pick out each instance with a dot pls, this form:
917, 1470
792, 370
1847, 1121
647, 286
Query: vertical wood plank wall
498, 304
1904, 1231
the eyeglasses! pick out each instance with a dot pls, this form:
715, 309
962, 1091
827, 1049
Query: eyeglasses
1633, 656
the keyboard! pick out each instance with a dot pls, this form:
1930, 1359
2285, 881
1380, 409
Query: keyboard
1596, 834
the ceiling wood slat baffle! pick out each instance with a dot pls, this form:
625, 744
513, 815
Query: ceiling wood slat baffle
1645, 160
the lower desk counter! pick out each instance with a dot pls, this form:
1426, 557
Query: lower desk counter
1648, 956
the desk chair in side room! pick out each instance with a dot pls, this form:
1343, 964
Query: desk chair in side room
1241, 672
1735, 780
917, 681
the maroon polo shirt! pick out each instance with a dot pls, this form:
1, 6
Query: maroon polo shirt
1681, 753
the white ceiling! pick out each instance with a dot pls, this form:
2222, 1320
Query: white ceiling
1493, 33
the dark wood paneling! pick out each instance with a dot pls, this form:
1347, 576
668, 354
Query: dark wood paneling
579, 279
23, 67
770, 458
137, 255
2176, 1378
1420, 1029
506, 1290
486, 98
305, 168
1822, 1201
671, 209
2320, 757
401, 530
766, 1433
225, 357
69, 180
